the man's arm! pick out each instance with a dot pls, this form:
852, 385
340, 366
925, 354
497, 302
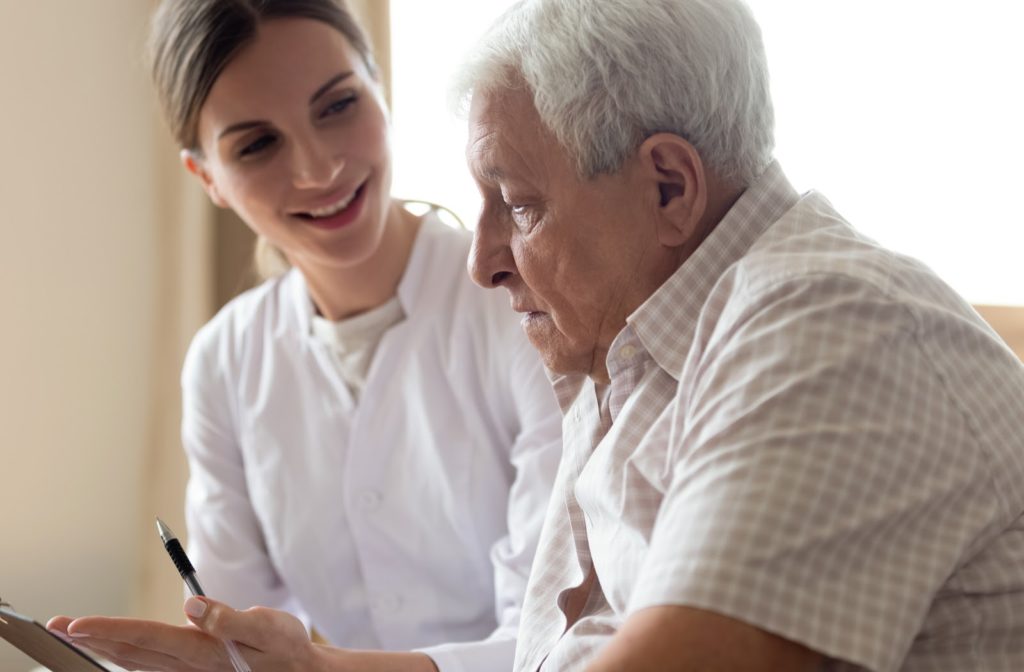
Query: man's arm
684, 639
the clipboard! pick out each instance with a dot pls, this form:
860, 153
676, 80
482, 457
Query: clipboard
43, 646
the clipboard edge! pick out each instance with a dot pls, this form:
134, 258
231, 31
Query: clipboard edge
7, 610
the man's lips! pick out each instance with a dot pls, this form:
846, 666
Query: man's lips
519, 308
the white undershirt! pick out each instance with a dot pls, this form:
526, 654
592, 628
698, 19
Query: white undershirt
354, 340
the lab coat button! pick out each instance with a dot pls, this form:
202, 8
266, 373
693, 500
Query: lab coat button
370, 500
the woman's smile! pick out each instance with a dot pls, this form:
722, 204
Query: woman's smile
338, 214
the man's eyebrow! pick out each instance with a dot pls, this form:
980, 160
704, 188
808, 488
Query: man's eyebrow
327, 86
246, 125
490, 173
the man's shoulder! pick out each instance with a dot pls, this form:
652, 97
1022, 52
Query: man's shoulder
812, 243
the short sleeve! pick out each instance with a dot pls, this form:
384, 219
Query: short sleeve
824, 483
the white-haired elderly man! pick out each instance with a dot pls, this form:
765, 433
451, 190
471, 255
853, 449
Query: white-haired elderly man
786, 448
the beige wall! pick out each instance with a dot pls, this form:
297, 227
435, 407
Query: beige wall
1008, 321
98, 294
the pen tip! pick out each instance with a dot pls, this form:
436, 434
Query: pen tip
164, 531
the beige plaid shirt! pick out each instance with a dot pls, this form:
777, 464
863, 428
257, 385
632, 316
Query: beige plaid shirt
803, 431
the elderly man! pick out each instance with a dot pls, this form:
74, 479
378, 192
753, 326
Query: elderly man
787, 448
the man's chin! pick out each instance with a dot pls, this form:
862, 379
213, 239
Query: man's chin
560, 363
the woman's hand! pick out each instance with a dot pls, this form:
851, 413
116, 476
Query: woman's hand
267, 639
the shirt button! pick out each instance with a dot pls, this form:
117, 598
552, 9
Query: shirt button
370, 500
576, 415
627, 352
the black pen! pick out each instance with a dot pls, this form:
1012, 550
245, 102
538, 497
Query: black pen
188, 573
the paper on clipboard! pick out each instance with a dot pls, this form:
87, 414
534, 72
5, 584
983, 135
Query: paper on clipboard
43, 646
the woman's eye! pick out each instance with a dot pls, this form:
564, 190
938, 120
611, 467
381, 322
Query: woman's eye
257, 145
338, 106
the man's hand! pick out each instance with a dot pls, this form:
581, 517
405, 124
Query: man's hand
684, 639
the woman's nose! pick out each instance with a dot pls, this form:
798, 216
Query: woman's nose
315, 166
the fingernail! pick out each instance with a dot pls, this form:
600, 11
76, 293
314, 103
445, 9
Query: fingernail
195, 607
77, 635
58, 633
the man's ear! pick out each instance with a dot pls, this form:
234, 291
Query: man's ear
194, 164
673, 167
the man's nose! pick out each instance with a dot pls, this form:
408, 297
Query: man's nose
315, 165
490, 262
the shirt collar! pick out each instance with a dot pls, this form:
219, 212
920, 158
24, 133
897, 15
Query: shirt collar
411, 288
665, 323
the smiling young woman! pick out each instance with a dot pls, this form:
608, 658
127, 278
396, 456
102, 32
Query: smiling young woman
371, 439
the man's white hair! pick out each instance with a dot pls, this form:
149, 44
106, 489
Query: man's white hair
606, 74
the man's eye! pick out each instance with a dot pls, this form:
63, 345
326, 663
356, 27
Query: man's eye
523, 216
517, 209
338, 106
257, 145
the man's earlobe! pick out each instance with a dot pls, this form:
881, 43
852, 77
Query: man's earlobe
194, 165
677, 170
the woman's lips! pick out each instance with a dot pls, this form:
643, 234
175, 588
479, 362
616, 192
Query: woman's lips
341, 218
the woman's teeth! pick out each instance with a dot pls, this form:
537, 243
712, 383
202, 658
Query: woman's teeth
336, 208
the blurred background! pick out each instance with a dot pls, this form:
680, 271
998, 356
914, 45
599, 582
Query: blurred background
905, 113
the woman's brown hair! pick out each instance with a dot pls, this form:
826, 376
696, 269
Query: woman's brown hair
192, 41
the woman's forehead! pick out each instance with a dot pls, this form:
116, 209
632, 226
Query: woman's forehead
284, 65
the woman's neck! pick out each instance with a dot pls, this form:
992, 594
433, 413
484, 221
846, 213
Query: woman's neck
339, 292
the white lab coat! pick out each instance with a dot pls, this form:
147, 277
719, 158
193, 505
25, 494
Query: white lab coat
408, 519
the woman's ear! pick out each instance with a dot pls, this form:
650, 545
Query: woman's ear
194, 164
675, 170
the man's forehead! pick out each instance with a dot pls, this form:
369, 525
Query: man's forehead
502, 122
508, 109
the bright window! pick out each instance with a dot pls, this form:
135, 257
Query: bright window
906, 114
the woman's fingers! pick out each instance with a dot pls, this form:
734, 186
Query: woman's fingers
133, 658
258, 628
191, 648
58, 625
270, 637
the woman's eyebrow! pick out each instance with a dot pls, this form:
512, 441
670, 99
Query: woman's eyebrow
241, 126
246, 125
327, 86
